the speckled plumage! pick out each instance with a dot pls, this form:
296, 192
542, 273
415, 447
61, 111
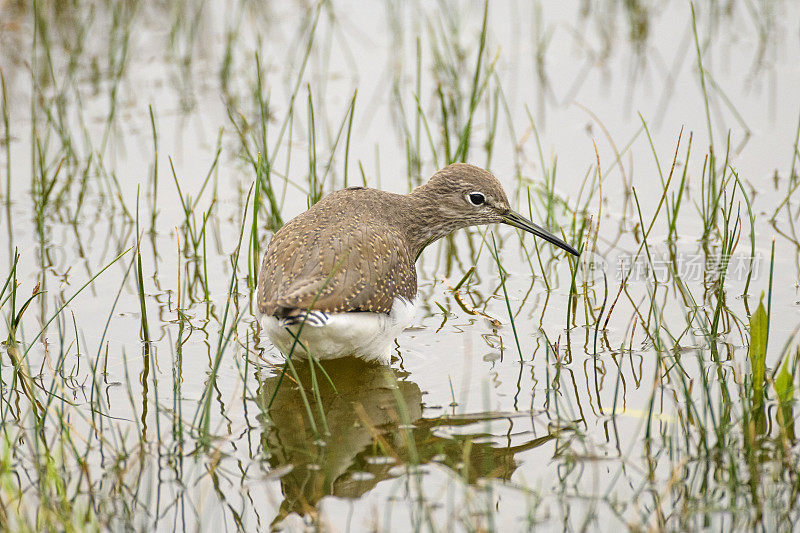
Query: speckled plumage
355, 249
343, 254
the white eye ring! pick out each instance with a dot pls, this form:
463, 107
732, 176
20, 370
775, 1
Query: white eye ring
476, 198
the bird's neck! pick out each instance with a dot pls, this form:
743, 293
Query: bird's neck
425, 220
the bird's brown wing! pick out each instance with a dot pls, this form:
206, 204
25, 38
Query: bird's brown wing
353, 267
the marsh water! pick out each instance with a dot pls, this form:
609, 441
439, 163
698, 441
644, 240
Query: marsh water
150, 150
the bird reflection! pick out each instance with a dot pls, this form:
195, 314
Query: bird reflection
372, 423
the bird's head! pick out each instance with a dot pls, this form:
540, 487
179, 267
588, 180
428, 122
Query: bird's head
462, 195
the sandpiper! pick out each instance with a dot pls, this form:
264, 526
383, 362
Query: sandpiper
339, 279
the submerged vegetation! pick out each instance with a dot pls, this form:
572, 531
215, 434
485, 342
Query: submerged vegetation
148, 152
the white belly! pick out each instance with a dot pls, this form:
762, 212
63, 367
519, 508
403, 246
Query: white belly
369, 336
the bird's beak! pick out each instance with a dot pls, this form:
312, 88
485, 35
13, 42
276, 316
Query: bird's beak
518, 221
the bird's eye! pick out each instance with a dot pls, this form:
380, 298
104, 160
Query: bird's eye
476, 198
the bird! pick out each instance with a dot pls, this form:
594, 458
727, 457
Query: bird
340, 279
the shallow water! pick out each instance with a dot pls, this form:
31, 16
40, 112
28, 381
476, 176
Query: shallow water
616, 402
